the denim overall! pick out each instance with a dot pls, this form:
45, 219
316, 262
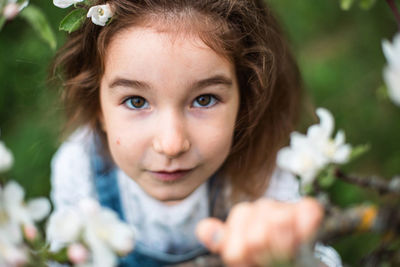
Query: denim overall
106, 184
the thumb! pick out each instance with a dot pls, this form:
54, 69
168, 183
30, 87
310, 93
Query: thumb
210, 232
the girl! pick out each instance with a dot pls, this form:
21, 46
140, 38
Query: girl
179, 108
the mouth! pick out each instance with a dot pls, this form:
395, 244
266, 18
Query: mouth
170, 176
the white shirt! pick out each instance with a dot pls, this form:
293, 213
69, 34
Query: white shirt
158, 226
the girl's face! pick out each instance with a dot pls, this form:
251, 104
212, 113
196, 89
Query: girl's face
168, 106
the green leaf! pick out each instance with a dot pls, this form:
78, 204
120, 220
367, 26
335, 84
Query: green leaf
59, 256
34, 16
73, 21
382, 93
306, 189
366, 4
327, 178
359, 150
346, 4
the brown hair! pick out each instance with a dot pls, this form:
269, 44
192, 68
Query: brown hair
245, 32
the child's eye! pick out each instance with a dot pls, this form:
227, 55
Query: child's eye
136, 102
205, 101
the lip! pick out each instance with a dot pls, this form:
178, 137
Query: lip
170, 176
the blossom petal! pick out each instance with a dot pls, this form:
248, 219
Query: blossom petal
392, 51
100, 14
14, 256
298, 140
6, 158
11, 232
102, 255
64, 226
392, 80
339, 138
13, 194
315, 132
326, 120
122, 238
342, 154
65, 3
38, 208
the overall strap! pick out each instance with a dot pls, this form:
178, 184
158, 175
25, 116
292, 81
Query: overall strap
105, 179
217, 203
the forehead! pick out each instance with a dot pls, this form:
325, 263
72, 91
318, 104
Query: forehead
148, 53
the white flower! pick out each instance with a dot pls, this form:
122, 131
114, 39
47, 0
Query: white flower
16, 215
12, 250
391, 73
100, 14
6, 158
65, 3
308, 154
98, 228
19, 212
334, 150
12, 254
301, 158
64, 226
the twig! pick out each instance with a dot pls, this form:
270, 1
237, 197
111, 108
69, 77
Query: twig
365, 218
376, 183
378, 255
395, 11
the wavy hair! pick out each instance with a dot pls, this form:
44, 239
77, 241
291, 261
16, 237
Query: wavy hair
244, 31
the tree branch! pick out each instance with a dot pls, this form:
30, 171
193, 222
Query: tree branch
364, 218
395, 11
382, 186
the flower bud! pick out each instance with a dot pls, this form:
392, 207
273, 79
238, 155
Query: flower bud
77, 253
14, 256
30, 232
11, 10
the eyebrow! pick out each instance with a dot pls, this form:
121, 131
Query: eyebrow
128, 83
213, 80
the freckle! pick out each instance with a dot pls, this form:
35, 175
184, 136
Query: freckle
118, 142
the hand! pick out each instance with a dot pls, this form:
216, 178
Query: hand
257, 233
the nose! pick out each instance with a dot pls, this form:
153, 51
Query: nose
171, 138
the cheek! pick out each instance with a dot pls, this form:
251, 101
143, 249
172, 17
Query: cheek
127, 153
215, 140
126, 144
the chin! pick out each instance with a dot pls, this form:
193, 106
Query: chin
170, 196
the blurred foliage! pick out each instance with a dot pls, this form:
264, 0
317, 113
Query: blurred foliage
341, 60
29, 112
340, 57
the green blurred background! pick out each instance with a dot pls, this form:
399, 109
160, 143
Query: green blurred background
340, 58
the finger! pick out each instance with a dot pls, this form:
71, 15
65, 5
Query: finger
234, 249
210, 232
259, 232
309, 216
273, 237
283, 237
